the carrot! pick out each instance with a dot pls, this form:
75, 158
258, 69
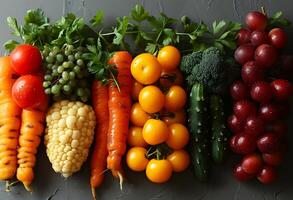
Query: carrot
119, 110
99, 156
32, 128
9, 121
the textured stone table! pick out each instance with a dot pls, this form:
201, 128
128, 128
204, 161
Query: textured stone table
222, 186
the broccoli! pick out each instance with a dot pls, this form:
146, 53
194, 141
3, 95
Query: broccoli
211, 68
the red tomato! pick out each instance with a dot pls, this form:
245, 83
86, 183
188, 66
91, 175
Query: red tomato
252, 163
240, 174
267, 175
27, 91
26, 59
273, 159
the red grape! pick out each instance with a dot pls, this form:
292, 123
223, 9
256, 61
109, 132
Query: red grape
235, 124
261, 92
265, 56
239, 91
244, 53
269, 112
268, 143
254, 126
273, 159
243, 36
267, 175
242, 143
277, 38
240, 174
256, 21
282, 89
259, 37
251, 72
252, 163
244, 109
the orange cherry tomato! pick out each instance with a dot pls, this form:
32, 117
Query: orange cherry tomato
169, 57
179, 160
151, 99
159, 171
136, 159
145, 68
175, 98
136, 88
138, 116
174, 117
178, 137
135, 138
155, 131
169, 78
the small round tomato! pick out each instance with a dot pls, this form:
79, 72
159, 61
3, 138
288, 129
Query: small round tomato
169, 57
136, 159
135, 138
169, 78
135, 90
175, 98
138, 116
252, 163
174, 117
240, 174
155, 132
179, 136
159, 171
145, 68
267, 175
26, 59
151, 99
28, 91
273, 159
179, 160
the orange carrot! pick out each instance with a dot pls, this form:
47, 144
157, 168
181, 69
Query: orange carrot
32, 128
9, 121
119, 110
99, 156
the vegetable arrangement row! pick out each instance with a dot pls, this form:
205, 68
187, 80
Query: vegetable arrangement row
83, 85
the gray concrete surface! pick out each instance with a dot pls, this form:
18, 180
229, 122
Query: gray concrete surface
222, 186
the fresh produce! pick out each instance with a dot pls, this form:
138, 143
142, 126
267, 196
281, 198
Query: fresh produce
136, 159
175, 98
10, 121
32, 128
174, 117
178, 136
138, 116
159, 171
151, 99
69, 134
260, 99
119, 112
135, 137
155, 132
169, 58
100, 153
179, 160
26, 59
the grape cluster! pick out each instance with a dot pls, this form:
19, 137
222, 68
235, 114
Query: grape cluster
66, 74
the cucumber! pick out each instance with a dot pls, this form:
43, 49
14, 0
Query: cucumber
220, 133
199, 134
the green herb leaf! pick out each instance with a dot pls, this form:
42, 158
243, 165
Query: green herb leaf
138, 13
277, 20
120, 30
98, 18
151, 48
10, 45
12, 23
218, 27
35, 17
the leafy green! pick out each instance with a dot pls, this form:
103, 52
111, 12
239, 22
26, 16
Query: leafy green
98, 18
278, 20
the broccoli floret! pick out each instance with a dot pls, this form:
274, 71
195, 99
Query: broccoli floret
210, 68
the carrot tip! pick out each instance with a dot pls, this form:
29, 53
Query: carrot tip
94, 193
27, 187
120, 180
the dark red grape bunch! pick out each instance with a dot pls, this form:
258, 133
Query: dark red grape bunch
260, 102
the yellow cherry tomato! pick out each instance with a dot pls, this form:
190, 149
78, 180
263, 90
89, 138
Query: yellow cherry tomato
175, 98
135, 138
174, 117
151, 99
179, 160
178, 137
169, 57
155, 131
136, 159
159, 171
145, 68
138, 116
136, 88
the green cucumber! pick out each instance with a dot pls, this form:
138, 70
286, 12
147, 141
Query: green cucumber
199, 134
220, 133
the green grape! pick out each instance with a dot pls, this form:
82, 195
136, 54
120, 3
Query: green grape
66, 64
56, 49
71, 75
77, 55
52, 54
49, 59
60, 69
48, 90
49, 66
70, 47
45, 53
55, 72
67, 53
46, 84
67, 88
80, 62
65, 75
71, 58
76, 69
80, 92
71, 64
48, 77
55, 89
62, 81
59, 58
54, 67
